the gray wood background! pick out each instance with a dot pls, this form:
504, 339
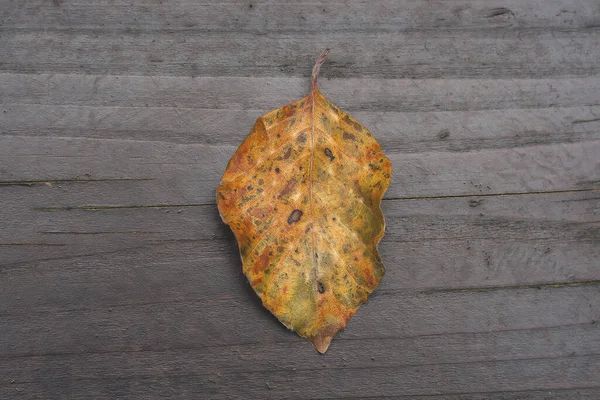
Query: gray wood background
117, 118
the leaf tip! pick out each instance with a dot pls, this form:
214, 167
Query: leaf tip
322, 339
322, 343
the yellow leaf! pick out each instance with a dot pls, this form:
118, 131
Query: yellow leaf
302, 195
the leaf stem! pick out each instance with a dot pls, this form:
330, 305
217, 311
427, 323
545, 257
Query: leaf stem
316, 68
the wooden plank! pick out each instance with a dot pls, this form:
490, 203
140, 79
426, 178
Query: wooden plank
268, 16
180, 388
504, 241
223, 363
239, 319
499, 171
569, 114
398, 132
253, 94
528, 53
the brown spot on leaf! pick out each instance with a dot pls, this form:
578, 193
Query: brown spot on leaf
302, 138
263, 261
374, 167
358, 127
349, 136
288, 153
289, 187
329, 154
256, 282
294, 216
320, 287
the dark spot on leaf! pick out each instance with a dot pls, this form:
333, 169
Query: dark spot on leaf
263, 261
295, 216
302, 138
329, 154
289, 187
277, 170
356, 125
349, 136
444, 135
261, 181
320, 287
288, 153
333, 219
249, 187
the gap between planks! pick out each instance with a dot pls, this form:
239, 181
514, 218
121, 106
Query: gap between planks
159, 206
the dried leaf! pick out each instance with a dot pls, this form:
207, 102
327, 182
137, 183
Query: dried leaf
302, 195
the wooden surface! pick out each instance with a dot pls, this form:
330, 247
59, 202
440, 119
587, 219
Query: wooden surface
117, 118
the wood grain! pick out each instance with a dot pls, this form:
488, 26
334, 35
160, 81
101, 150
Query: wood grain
118, 279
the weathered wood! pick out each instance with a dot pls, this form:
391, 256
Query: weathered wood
499, 54
263, 94
508, 240
464, 352
394, 15
409, 39
237, 319
465, 115
565, 166
118, 280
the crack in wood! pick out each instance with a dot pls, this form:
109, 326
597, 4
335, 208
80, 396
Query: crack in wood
551, 285
58, 181
120, 207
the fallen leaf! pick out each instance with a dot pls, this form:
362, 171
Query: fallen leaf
302, 195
